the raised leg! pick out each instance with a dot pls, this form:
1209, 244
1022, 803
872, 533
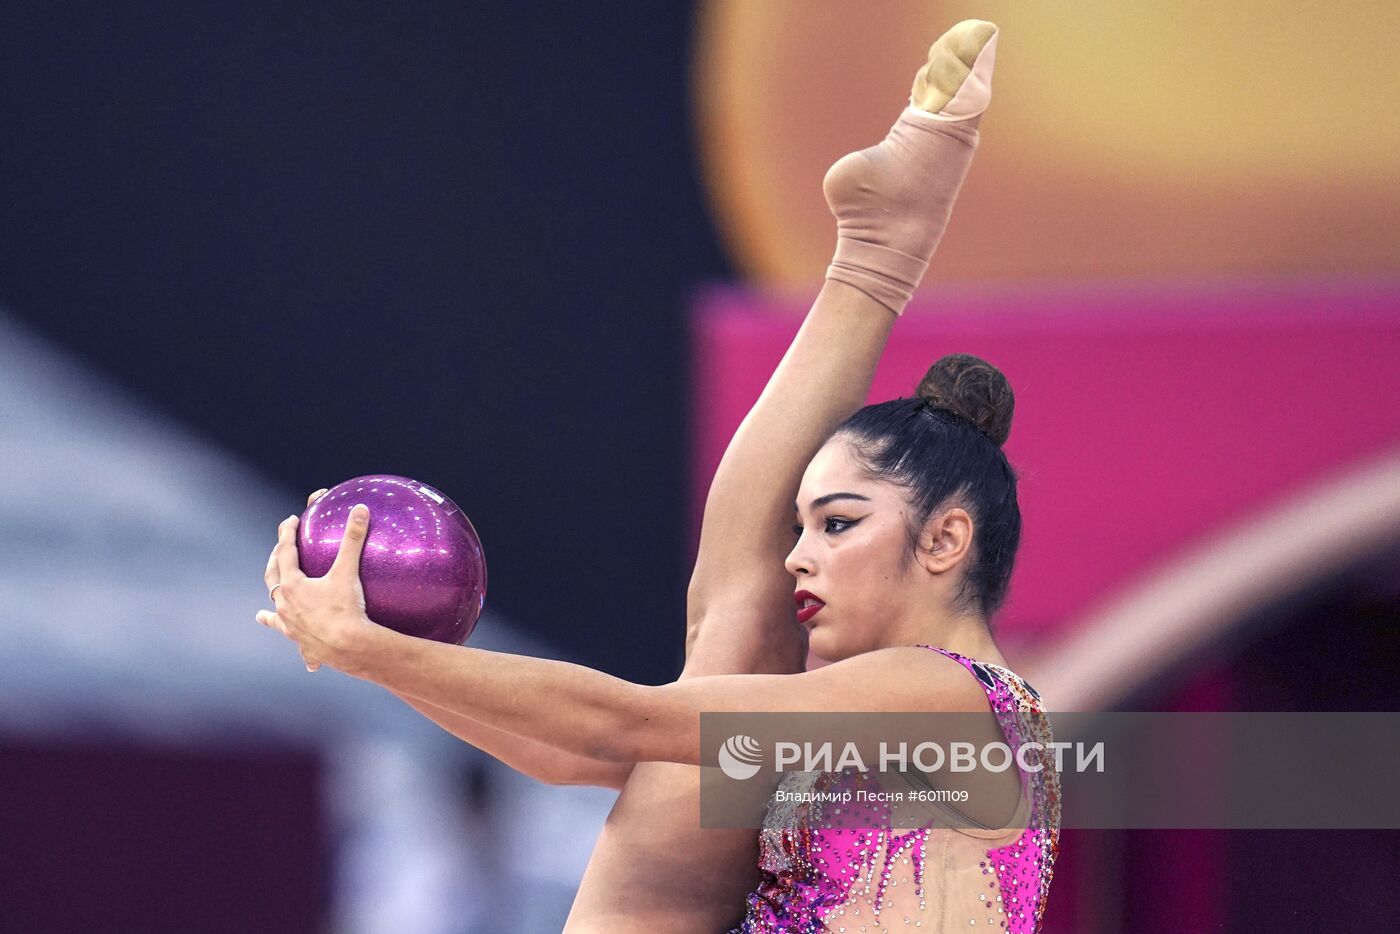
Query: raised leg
653, 868
892, 203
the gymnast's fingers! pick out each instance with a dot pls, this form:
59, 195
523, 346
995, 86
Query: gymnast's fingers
289, 568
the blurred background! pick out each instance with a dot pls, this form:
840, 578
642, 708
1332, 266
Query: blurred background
543, 256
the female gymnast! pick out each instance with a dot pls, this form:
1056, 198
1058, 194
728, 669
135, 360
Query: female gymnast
906, 529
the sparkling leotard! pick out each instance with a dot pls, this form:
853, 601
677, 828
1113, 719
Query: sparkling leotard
934, 879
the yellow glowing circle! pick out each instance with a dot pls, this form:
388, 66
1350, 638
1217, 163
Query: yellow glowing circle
1123, 139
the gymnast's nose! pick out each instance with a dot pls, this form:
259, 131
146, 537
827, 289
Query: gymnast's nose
798, 562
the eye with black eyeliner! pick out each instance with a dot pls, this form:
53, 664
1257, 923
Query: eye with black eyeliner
845, 523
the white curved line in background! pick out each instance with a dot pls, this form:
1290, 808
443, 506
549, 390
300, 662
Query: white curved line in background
1215, 586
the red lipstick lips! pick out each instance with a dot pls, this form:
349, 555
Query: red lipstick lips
808, 605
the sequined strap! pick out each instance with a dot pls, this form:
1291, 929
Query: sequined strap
983, 670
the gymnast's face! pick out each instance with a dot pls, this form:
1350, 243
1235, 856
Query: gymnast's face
850, 554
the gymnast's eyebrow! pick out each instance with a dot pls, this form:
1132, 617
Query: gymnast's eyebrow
821, 501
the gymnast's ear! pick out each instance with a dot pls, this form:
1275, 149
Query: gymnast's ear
945, 540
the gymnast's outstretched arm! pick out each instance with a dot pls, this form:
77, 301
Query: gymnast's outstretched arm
590, 713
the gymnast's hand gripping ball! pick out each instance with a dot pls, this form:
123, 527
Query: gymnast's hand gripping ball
422, 568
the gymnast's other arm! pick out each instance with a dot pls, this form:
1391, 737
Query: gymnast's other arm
542, 762
571, 707
594, 715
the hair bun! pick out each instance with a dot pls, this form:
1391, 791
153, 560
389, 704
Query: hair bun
972, 388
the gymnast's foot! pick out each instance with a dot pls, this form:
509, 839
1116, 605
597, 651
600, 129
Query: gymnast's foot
892, 201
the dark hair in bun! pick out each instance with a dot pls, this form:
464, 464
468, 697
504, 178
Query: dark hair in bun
974, 389
943, 446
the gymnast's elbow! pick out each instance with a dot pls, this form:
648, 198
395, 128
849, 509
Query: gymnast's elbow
631, 731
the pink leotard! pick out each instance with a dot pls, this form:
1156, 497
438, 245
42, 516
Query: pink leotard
933, 879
